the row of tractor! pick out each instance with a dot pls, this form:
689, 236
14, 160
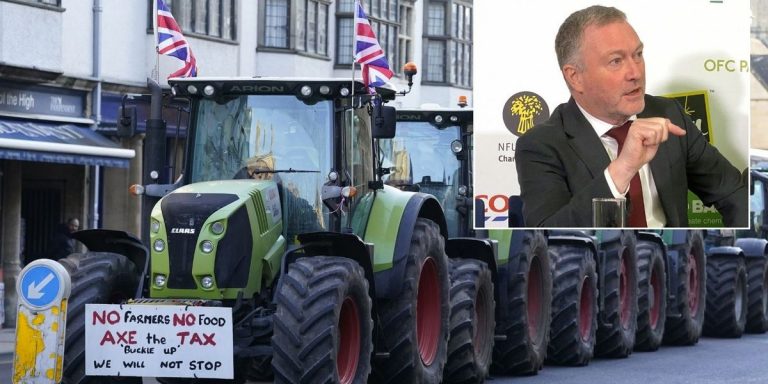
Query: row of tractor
338, 232
564, 296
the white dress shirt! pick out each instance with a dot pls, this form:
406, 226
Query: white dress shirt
654, 213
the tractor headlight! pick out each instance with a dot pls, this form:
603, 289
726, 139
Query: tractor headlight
160, 280
344, 91
155, 226
463, 190
192, 89
325, 90
454, 118
306, 91
206, 246
159, 245
438, 119
217, 228
457, 146
207, 282
208, 90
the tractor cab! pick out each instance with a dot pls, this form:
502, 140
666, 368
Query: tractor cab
430, 154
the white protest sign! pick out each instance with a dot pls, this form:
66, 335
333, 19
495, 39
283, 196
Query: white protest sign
158, 341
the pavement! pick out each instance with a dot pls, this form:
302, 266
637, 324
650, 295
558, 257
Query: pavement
7, 343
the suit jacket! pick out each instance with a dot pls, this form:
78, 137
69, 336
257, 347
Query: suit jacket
561, 163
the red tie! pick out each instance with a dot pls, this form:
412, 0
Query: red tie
636, 207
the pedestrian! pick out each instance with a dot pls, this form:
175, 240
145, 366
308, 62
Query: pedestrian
612, 140
62, 244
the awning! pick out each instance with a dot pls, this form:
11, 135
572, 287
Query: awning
59, 143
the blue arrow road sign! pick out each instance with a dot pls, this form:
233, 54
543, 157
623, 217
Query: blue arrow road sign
41, 284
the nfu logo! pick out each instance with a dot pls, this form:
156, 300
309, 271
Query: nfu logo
523, 111
185, 231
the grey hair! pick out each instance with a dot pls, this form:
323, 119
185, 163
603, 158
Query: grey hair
568, 39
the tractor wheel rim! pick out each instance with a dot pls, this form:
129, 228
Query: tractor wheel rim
349, 341
738, 299
654, 297
534, 308
481, 328
693, 284
624, 305
428, 324
585, 309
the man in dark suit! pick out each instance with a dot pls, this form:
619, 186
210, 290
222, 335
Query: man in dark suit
611, 140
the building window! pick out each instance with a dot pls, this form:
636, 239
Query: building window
215, 18
405, 34
276, 23
448, 53
385, 22
309, 25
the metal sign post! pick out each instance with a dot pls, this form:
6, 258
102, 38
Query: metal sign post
43, 288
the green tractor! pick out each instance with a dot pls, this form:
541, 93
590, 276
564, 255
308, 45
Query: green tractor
281, 215
500, 306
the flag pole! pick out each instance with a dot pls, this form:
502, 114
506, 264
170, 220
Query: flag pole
154, 42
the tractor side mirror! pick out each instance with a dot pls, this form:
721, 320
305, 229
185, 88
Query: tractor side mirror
126, 121
383, 122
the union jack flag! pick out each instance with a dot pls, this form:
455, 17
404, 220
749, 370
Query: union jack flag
171, 42
368, 52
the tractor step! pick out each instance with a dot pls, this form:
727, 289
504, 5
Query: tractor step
500, 337
381, 355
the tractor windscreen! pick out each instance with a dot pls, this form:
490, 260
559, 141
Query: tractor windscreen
420, 159
268, 137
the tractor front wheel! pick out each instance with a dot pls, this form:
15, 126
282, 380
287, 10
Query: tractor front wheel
691, 292
757, 313
574, 305
323, 330
652, 296
726, 312
97, 278
470, 346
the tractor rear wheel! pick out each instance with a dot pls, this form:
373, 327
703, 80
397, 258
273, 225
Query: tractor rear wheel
726, 313
323, 330
574, 305
97, 278
415, 324
619, 292
691, 292
527, 319
470, 346
757, 313
652, 296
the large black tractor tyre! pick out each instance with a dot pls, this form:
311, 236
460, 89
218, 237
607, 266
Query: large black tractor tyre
691, 291
260, 369
757, 282
529, 297
323, 329
574, 305
651, 296
726, 312
470, 346
616, 333
415, 325
97, 278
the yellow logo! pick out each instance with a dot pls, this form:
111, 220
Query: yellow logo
523, 111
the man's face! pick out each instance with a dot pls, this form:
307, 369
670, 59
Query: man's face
73, 225
609, 80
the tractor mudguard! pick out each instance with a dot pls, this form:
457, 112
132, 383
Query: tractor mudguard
120, 242
753, 248
572, 237
724, 252
390, 227
346, 245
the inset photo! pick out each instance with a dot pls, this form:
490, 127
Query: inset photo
619, 114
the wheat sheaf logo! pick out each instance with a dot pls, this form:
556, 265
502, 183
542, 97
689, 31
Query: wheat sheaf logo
523, 111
